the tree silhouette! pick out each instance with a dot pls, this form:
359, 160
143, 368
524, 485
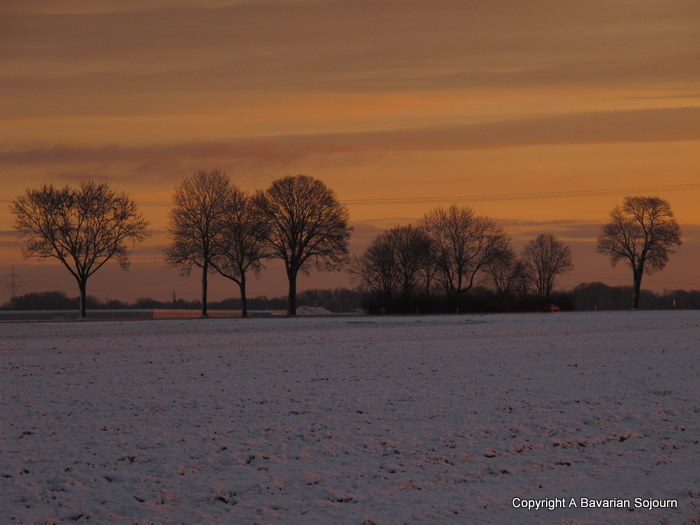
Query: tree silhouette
82, 227
241, 243
308, 227
395, 263
642, 232
501, 271
463, 245
196, 221
544, 259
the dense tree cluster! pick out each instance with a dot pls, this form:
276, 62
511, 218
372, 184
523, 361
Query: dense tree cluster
437, 264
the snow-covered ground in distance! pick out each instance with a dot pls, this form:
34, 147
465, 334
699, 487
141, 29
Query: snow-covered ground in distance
384, 420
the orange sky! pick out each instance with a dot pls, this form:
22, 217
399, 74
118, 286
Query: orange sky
381, 99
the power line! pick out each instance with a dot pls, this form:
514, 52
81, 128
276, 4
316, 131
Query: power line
488, 197
522, 196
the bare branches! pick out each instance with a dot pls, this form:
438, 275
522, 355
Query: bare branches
544, 259
308, 227
81, 227
451, 246
196, 221
463, 245
241, 244
215, 226
501, 271
199, 202
643, 233
395, 263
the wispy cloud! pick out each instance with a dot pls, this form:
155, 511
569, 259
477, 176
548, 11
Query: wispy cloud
651, 125
10, 239
89, 58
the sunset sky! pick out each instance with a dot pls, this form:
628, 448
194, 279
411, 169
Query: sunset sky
541, 114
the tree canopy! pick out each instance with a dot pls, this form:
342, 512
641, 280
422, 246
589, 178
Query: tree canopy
544, 259
241, 242
642, 232
309, 228
199, 204
82, 227
463, 245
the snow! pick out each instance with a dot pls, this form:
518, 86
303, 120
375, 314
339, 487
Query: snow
421, 419
313, 310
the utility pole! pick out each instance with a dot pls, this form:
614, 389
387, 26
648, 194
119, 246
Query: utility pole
12, 283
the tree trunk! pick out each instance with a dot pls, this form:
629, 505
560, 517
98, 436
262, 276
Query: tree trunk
205, 272
292, 298
244, 300
636, 287
82, 285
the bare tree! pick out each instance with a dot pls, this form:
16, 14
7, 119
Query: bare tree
463, 245
520, 282
196, 220
394, 263
411, 248
641, 232
501, 271
308, 227
375, 270
429, 271
82, 227
544, 259
241, 242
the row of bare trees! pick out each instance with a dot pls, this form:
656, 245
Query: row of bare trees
214, 226
451, 250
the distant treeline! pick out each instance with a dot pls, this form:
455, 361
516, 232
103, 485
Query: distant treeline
592, 296
337, 300
585, 296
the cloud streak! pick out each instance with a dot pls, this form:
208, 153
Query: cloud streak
121, 56
654, 125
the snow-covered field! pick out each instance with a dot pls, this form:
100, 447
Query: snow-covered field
445, 419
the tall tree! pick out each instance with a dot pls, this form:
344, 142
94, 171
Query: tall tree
463, 244
196, 220
544, 259
82, 227
643, 233
241, 242
308, 227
